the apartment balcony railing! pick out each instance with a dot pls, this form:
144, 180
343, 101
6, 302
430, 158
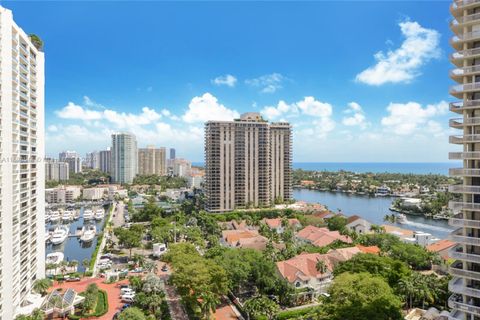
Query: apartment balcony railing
465, 273
458, 221
465, 54
456, 286
461, 172
464, 155
459, 188
461, 88
457, 206
460, 122
456, 252
459, 106
466, 36
465, 19
455, 302
464, 71
468, 138
457, 236
459, 4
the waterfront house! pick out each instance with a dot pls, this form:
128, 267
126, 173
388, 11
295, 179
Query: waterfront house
320, 237
277, 224
358, 224
441, 247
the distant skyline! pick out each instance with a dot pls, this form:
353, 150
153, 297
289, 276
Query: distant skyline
353, 91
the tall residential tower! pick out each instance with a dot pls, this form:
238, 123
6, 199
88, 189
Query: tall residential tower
465, 284
248, 163
123, 157
152, 160
22, 191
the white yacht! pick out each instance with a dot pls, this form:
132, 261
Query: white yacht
99, 214
54, 257
88, 233
55, 216
88, 214
59, 235
67, 216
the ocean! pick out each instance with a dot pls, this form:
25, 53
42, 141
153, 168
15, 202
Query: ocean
376, 167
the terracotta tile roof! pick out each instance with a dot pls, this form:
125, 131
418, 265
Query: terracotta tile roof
247, 239
304, 266
440, 245
233, 236
321, 236
370, 249
277, 222
353, 218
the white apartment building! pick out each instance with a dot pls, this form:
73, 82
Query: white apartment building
248, 163
152, 160
22, 192
465, 284
181, 167
94, 193
63, 194
92, 160
124, 157
56, 171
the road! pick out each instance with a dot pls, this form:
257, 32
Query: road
105, 235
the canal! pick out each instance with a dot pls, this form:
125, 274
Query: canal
373, 209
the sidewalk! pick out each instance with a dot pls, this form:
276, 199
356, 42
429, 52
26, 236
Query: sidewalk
104, 238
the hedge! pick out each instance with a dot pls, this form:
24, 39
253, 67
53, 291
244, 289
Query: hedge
295, 313
102, 304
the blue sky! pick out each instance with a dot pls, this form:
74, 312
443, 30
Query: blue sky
161, 69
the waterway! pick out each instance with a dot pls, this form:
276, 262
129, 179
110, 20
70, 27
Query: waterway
72, 248
373, 209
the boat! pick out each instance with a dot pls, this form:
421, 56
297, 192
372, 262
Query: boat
76, 214
88, 233
99, 214
401, 218
67, 215
88, 214
382, 191
54, 216
54, 257
59, 235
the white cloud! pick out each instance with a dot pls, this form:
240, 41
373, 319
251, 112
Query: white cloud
73, 111
268, 83
128, 120
356, 116
405, 119
402, 64
226, 80
207, 107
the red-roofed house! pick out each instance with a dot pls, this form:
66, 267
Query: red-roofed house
441, 247
358, 224
320, 237
276, 224
304, 271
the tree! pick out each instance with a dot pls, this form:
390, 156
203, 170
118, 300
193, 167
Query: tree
321, 266
362, 296
86, 265
261, 306
37, 314
152, 284
336, 223
131, 313
208, 303
129, 238
41, 286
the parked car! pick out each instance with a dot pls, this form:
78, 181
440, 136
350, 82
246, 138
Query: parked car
125, 306
137, 270
125, 291
128, 299
72, 279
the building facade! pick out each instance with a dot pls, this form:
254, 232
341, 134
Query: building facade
124, 157
248, 163
56, 170
172, 153
73, 159
152, 160
465, 284
105, 160
92, 160
181, 167
22, 192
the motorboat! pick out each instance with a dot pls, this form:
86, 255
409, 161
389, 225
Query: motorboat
401, 218
67, 216
88, 233
55, 216
54, 257
76, 214
59, 235
88, 214
99, 213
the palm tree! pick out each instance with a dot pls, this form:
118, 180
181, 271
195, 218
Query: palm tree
41, 286
208, 304
63, 267
37, 314
407, 288
51, 266
321, 266
86, 265
73, 264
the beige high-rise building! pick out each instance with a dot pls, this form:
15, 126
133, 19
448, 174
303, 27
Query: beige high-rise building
152, 160
248, 163
465, 284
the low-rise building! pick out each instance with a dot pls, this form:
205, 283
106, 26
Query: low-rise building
441, 247
62, 194
195, 181
320, 237
96, 193
358, 225
277, 224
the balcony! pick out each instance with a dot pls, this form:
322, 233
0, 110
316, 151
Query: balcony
468, 138
459, 272
457, 206
457, 236
460, 188
462, 122
458, 56
455, 302
456, 286
464, 20
456, 252
465, 71
461, 172
463, 37
460, 89
460, 106
459, 221
464, 155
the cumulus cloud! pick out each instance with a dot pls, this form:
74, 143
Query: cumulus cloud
73, 111
405, 119
226, 80
403, 64
268, 83
355, 116
207, 107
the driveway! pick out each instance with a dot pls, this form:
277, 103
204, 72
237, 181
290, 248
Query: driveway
173, 299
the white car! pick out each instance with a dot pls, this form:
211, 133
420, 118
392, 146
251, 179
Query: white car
128, 299
128, 296
126, 291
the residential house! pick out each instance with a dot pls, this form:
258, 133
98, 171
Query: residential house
277, 224
358, 225
320, 237
246, 238
441, 247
